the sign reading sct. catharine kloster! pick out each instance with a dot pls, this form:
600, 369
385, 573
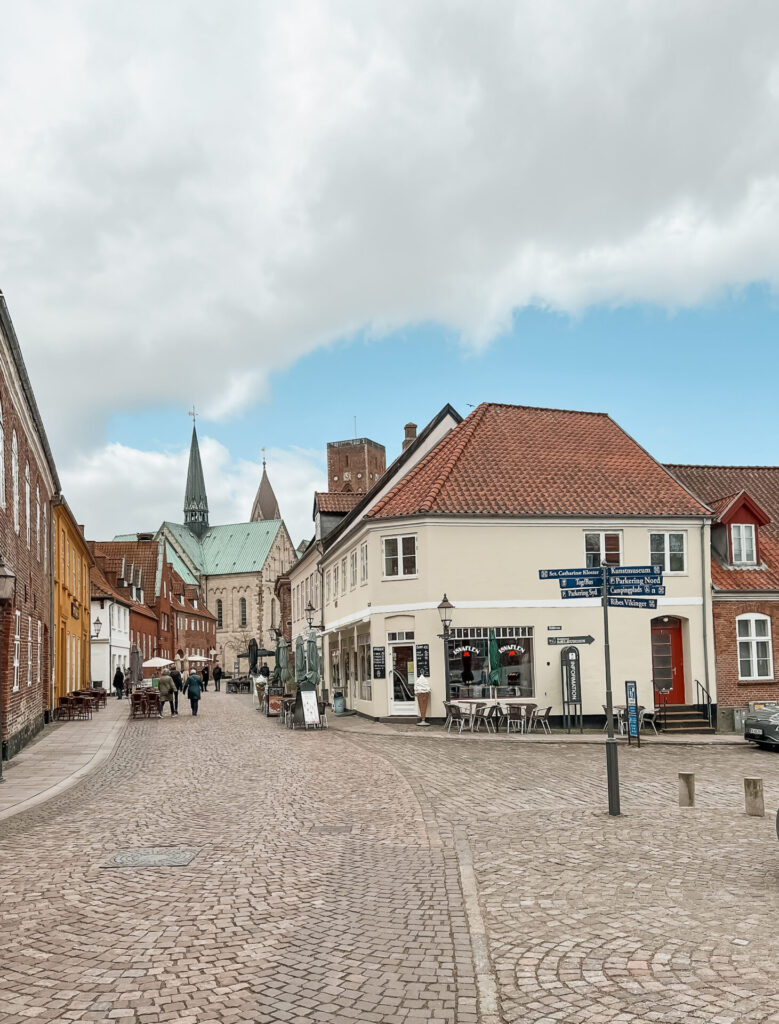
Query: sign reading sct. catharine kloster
379, 663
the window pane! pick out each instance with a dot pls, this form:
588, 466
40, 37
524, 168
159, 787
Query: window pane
657, 548
676, 542
761, 627
749, 543
743, 627
744, 660
409, 556
763, 660
736, 535
676, 562
391, 556
592, 542
611, 543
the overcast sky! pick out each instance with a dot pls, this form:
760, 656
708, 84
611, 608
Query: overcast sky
197, 196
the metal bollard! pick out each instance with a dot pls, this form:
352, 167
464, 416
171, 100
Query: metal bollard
753, 798
686, 789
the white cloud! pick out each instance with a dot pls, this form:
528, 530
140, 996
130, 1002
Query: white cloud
118, 489
193, 199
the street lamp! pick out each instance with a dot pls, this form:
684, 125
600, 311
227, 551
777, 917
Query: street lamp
98, 625
310, 611
7, 593
445, 610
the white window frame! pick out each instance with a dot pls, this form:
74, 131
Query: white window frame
353, 569
666, 562
602, 553
29, 650
335, 581
752, 640
27, 505
343, 575
327, 586
45, 538
40, 648
38, 521
15, 479
2, 459
743, 528
400, 575
364, 563
17, 648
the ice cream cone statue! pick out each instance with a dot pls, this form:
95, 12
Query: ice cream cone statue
422, 692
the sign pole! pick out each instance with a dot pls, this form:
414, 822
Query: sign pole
612, 766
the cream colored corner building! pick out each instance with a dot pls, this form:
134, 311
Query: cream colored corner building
388, 567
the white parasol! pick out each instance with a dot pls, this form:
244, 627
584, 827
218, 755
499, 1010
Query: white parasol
157, 662
197, 657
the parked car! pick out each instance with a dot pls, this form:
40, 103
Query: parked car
762, 727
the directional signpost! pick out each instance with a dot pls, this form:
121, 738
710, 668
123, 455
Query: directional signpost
617, 586
565, 641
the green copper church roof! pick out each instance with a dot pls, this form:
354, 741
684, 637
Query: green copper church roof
222, 550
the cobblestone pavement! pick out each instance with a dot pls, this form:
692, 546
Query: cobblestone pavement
344, 876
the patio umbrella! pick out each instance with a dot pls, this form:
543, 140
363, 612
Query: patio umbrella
263, 652
494, 660
196, 658
157, 662
300, 660
312, 653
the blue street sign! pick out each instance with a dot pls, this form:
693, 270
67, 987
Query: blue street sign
637, 590
557, 574
631, 699
635, 570
578, 582
635, 581
631, 602
582, 592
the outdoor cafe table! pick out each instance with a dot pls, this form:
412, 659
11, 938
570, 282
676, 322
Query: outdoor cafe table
490, 702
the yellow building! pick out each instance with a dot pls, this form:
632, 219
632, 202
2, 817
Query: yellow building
72, 561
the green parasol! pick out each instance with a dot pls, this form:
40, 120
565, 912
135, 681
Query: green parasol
284, 673
312, 656
300, 660
494, 660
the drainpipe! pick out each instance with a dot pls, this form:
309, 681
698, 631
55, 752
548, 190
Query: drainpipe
706, 591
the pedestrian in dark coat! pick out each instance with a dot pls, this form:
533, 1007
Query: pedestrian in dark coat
194, 690
205, 677
175, 675
119, 682
217, 678
167, 689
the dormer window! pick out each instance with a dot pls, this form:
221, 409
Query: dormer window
742, 540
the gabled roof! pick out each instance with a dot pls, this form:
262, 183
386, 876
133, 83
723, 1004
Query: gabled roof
101, 588
728, 508
140, 554
336, 501
265, 505
511, 460
722, 487
234, 548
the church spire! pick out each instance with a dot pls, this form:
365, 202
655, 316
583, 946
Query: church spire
195, 500
265, 505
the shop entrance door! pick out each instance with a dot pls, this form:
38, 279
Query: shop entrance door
668, 661
402, 700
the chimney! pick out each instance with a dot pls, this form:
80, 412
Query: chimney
411, 435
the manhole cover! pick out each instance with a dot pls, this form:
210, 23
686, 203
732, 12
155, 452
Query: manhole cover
329, 830
152, 857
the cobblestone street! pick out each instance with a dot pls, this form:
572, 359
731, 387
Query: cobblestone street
364, 875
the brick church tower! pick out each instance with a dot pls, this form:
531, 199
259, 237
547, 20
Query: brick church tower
354, 466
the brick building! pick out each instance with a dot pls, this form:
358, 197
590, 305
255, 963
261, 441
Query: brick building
28, 483
355, 465
745, 578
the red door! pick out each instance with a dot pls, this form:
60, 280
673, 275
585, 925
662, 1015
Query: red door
668, 660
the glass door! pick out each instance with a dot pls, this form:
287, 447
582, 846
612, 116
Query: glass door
402, 700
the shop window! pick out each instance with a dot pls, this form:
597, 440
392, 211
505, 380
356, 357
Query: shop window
742, 537
755, 655
469, 665
400, 556
668, 550
365, 667
602, 547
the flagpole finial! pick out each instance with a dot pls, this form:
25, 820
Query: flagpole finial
193, 413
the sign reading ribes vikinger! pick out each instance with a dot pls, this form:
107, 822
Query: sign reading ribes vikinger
379, 663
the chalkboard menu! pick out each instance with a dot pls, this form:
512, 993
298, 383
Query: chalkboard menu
423, 660
379, 663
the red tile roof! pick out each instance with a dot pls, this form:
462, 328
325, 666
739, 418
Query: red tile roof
718, 486
100, 587
511, 460
337, 501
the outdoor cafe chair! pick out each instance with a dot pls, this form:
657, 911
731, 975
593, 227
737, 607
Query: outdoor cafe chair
495, 716
448, 712
617, 716
647, 716
542, 718
322, 715
482, 713
456, 717
65, 709
82, 706
515, 718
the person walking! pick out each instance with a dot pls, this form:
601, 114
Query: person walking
217, 678
205, 677
194, 690
119, 682
175, 675
166, 690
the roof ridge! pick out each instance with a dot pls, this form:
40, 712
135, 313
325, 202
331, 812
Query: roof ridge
705, 465
540, 408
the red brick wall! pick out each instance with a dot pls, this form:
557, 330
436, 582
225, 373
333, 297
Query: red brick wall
354, 465
23, 709
731, 693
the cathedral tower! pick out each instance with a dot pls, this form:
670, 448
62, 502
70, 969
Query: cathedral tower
195, 500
